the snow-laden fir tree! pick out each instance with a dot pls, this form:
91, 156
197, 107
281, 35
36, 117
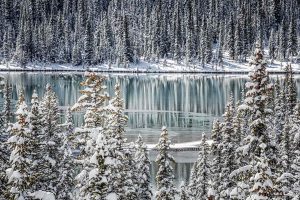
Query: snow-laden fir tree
5, 119
262, 186
19, 173
285, 179
257, 98
6, 112
143, 170
130, 190
67, 167
228, 146
93, 99
114, 133
51, 141
296, 173
290, 90
215, 163
278, 117
184, 194
92, 181
256, 104
36, 140
165, 175
199, 184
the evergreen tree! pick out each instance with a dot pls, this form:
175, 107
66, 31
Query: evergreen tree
230, 37
292, 43
228, 146
51, 141
216, 136
164, 177
6, 112
199, 179
18, 173
66, 166
92, 181
262, 186
184, 192
88, 42
143, 169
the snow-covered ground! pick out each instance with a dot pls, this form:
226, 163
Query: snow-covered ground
184, 145
161, 66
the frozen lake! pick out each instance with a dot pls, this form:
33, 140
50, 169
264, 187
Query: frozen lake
186, 104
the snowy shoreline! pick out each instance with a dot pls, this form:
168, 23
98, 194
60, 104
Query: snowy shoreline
161, 67
138, 71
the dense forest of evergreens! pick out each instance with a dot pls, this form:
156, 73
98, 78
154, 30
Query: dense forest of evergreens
253, 154
90, 32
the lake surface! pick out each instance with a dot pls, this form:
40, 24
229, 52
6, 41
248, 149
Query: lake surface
186, 104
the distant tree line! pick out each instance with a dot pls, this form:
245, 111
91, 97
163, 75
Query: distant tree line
92, 32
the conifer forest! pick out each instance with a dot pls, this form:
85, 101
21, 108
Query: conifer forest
82, 136
93, 32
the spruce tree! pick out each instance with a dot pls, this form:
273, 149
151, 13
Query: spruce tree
66, 166
18, 173
200, 175
228, 151
165, 176
143, 170
262, 184
216, 156
92, 181
184, 192
51, 141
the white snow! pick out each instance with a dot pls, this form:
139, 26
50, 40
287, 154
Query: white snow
42, 195
112, 196
182, 145
164, 65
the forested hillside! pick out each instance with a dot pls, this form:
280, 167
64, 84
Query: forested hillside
92, 32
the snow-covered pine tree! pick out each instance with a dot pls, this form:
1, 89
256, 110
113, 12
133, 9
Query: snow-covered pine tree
230, 37
290, 89
130, 190
122, 180
93, 99
262, 181
259, 90
257, 143
164, 178
67, 166
272, 45
220, 51
5, 119
279, 112
285, 179
215, 164
51, 142
295, 167
92, 181
238, 45
282, 48
143, 170
199, 184
184, 195
36, 142
18, 173
228, 151
292, 43
6, 112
